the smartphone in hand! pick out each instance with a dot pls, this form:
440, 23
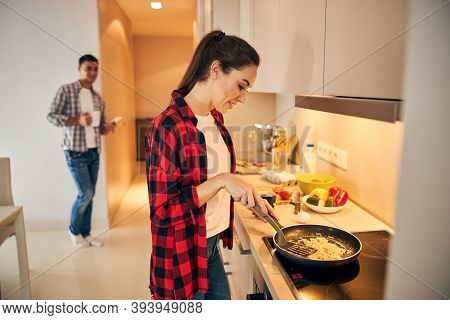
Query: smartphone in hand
116, 120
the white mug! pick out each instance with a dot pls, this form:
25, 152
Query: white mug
95, 118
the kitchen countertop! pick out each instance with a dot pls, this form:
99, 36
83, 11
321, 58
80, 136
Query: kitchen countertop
251, 232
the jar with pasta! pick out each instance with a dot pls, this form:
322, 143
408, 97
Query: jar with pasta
279, 149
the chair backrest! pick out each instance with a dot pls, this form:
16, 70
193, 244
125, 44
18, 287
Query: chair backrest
6, 197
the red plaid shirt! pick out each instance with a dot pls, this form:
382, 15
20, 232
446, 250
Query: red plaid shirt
176, 163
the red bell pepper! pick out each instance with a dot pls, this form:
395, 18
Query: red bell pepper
341, 198
334, 192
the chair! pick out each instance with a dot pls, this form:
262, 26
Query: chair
11, 223
6, 197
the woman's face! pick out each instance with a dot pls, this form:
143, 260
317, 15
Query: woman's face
229, 89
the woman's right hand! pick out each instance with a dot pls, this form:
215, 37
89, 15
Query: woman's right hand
245, 194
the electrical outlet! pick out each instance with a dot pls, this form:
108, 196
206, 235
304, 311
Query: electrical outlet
323, 151
341, 158
331, 154
338, 157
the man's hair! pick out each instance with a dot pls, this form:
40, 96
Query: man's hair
87, 57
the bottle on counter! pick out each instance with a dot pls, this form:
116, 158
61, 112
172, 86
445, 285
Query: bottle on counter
309, 161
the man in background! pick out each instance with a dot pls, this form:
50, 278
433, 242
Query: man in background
80, 111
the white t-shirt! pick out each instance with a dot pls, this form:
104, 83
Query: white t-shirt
218, 158
87, 105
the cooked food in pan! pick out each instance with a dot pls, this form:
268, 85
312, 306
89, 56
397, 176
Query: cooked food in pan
326, 250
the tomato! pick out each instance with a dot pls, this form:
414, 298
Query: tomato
284, 195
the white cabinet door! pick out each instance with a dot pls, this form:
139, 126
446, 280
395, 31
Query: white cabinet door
301, 46
238, 268
364, 48
226, 16
241, 279
289, 36
266, 36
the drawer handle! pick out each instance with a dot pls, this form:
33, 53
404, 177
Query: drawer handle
240, 247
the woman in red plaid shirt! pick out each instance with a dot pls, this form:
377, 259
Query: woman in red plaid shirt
190, 163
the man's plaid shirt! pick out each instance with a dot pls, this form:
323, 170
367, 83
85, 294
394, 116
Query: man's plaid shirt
67, 104
176, 163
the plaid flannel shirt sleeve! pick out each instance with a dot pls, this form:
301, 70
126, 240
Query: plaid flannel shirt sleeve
102, 115
171, 196
57, 114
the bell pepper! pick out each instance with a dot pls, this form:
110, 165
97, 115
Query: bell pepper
341, 198
321, 193
333, 192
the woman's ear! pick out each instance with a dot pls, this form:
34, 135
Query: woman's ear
215, 70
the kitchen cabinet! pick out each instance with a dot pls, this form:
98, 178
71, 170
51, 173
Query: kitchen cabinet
265, 40
349, 47
289, 37
238, 266
301, 46
364, 48
225, 16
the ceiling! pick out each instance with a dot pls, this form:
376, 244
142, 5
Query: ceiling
174, 19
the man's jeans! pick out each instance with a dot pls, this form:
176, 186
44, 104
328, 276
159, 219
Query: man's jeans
218, 282
84, 168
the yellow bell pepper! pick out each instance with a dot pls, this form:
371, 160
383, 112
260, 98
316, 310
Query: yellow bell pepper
320, 193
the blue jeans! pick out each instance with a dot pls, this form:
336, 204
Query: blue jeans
218, 283
84, 169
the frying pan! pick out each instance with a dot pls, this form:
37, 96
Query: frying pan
337, 236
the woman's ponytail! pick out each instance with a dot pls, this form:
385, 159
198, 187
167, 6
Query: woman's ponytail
232, 52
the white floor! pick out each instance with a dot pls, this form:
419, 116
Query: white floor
118, 270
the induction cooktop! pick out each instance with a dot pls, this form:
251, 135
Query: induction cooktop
362, 279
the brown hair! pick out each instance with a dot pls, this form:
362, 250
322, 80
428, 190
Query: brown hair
232, 52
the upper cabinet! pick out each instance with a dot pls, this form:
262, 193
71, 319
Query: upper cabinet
226, 15
301, 56
364, 48
351, 48
289, 36
265, 40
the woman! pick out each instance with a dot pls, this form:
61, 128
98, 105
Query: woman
190, 172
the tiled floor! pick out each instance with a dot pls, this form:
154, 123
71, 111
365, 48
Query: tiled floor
118, 270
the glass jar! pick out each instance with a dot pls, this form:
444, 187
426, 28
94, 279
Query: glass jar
279, 148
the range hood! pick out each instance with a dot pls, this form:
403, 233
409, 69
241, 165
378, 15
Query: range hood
368, 108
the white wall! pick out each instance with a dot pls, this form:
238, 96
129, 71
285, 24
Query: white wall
420, 256
34, 64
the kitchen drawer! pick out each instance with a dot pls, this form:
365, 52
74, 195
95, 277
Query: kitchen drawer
237, 264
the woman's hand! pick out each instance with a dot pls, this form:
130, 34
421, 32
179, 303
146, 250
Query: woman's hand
269, 208
245, 194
